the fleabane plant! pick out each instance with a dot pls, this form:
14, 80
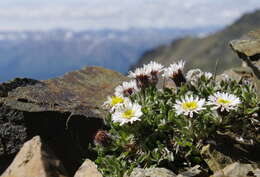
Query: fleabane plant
150, 125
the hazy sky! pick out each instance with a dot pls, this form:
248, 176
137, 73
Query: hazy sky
120, 14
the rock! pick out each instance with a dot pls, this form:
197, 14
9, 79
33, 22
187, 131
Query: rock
237, 170
248, 49
193, 172
80, 92
152, 172
35, 159
17, 82
239, 73
215, 159
88, 169
64, 111
243, 74
226, 150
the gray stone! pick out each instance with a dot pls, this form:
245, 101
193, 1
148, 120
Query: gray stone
35, 159
195, 171
248, 47
215, 159
226, 149
237, 170
152, 172
88, 169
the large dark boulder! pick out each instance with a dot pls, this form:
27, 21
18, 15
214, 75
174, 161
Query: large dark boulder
64, 111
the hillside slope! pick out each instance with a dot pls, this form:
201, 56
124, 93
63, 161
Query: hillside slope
204, 52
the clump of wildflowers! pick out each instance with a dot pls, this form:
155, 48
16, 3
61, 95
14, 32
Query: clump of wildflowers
149, 126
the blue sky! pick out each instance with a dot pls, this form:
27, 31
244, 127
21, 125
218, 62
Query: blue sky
120, 14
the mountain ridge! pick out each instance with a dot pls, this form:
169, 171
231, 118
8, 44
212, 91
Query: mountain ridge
204, 52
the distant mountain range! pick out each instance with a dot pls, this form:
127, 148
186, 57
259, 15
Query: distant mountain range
43, 55
203, 52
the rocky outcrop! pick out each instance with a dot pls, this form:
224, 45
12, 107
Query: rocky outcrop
151, 172
163, 172
238, 170
64, 111
215, 159
225, 149
195, 171
248, 49
87, 169
35, 159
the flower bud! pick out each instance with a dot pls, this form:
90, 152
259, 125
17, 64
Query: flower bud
102, 138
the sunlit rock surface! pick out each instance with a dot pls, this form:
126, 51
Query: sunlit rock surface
35, 159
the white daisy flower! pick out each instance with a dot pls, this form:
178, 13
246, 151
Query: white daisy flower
141, 75
175, 72
128, 113
115, 101
225, 77
197, 73
189, 105
208, 75
224, 101
126, 88
193, 76
153, 68
138, 72
174, 69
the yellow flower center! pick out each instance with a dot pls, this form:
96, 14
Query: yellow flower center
222, 101
190, 105
128, 114
115, 100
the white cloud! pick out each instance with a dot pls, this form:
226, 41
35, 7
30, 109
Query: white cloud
120, 14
